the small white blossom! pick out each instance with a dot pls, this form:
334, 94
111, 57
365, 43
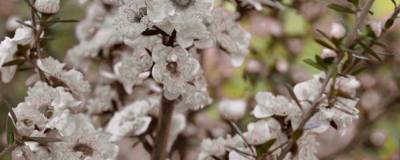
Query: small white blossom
132, 19
377, 27
132, 120
102, 101
23, 35
257, 132
133, 69
268, 105
229, 35
211, 148
47, 6
328, 53
8, 49
174, 67
232, 109
337, 31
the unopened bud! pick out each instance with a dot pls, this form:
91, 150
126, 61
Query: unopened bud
376, 27
328, 53
337, 31
47, 6
232, 109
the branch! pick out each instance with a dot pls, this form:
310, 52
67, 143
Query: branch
347, 43
163, 131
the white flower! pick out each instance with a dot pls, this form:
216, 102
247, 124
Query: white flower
47, 6
72, 78
257, 132
233, 155
174, 67
23, 35
68, 124
133, 69
191, 30
377, 27
132, 120
211, 148
12, 24
347, 85
308, 90
328, 53
337, 31
232, 109
102, 101
131, 19
268, 105
308, 148
229, 35
159, 10
91, 145
8, 48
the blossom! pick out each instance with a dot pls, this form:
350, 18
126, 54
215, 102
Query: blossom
131, 19
8, 49
337, 31
23, 35
159, 10
72, 78
174, 67
229, 35
133, 69
211, 148
258, 132
132, 120
102, 100
268, 105
232, 109
47, 6
377, 27
328, 53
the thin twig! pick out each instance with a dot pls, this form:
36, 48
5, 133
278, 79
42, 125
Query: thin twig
239, 132
163, 131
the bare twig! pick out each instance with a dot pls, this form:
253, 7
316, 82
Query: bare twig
163, 131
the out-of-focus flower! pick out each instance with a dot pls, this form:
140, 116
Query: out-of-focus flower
232, 109
23, 35
377, 27
47, 6
8, 48
328, 53
211, 148
229, 35
132, 120
337, 31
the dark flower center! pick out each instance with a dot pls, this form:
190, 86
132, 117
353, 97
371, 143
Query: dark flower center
84, 148
172, 67
182, 3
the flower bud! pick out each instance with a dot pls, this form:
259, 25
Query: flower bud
328, 53
376, 27
337, 31
23, 36
232, 109
47, 6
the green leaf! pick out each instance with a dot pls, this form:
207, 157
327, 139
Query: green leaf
262, 149
389, 23
315, 65
370, 51
16, 61
354, 2
297, 134
340, 8
10, 130
325, 44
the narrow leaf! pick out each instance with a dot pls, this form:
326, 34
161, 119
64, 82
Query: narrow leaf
297, 134
293, 95
314, 64
325, 44
340, 8
16, 61
262, 149
10, 130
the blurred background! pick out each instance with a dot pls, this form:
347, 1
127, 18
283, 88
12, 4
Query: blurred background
281, 40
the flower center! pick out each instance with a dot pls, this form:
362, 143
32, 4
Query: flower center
182, 3
172, 67
85, 149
